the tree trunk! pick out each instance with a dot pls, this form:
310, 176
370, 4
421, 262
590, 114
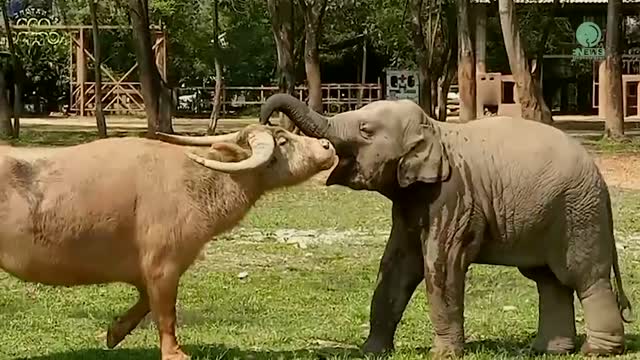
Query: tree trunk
466, 64
532, 104
217, 97
313, 12
445, 83
152, 87
6, 128
542, 45
282, 13
100, 120
422, 55
363, 76
450, 67
18, 74
614, 122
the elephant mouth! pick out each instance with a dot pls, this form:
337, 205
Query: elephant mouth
341, 172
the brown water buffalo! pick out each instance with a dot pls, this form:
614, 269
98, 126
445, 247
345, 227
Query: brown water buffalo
139, 211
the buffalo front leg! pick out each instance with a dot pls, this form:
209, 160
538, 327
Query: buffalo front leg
162, 287
556, 320
123, 325
401, 271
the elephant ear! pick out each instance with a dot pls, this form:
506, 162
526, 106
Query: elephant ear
426, 160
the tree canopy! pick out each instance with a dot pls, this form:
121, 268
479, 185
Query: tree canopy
247, 46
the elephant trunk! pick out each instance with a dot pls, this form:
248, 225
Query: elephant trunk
308, 121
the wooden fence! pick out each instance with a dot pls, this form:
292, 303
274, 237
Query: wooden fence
335, 97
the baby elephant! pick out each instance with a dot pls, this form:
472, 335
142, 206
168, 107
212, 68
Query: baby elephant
139, 211
499, 191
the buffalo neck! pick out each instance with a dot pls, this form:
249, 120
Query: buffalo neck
223, 198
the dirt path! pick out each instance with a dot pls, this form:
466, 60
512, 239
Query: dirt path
620, 170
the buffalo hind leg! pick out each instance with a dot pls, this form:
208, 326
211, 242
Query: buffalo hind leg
162, 287
124, 324
556, 320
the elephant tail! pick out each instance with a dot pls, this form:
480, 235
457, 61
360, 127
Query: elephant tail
623, 301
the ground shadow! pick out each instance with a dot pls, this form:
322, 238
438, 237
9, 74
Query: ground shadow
519, 348
204, 352
497, 347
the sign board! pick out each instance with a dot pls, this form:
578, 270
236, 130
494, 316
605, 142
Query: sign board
402, 84
589, 37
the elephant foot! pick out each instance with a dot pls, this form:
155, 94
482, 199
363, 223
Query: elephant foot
376, 346
446, 353
442, 350
604, 327
602, 344
555, 346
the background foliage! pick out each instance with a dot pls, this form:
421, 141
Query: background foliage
248, 50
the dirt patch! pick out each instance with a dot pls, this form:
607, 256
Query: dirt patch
305, 238
620, 170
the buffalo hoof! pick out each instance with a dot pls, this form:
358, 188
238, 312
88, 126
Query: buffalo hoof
377, 347
178, 355
115, 335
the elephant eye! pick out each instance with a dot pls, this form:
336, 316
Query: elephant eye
366, 131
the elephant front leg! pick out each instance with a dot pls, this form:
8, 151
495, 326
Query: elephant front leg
400, 273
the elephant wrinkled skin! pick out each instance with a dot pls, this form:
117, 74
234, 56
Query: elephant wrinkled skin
503, 191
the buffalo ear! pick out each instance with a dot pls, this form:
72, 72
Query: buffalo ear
426, 161
227, 152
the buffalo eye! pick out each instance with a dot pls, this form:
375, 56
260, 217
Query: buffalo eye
282, 140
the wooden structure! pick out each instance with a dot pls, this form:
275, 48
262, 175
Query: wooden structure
335, 97
497, 89
630, 86
121, 93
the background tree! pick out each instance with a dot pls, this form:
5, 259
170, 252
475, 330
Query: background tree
281, 14
13, 129
434, 38
6, 127
532, 104
217, 96
451, 65
100, 120
313, 12
466, 64
614, 121
156, 97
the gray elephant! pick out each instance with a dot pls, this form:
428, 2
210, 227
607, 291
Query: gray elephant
500, 191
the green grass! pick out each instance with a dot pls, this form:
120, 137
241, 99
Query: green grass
299, 302
296, 303
30, 137
607, 146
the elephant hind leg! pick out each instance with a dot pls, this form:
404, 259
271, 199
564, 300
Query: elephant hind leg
604, 327
556, 320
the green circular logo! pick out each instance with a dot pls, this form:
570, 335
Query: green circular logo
588, 34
